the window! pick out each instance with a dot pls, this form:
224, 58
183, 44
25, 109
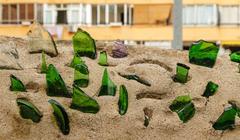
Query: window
5, 13
94, 14
48, 17
189, 15
40, 13
102, 14
111, 13
120, 14
206, 15
75, 15
23, 14
30, 11
200, 15
16, 13
13, 12
61, 17
229, 15
84, 14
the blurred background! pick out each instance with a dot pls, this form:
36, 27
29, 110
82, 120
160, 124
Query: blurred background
142, 22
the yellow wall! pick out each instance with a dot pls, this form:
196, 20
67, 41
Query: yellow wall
90, 1
211, 33
105, 33
141, 33
220, 2
151, 14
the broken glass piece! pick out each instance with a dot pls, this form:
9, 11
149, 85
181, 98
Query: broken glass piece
55, 84
44, 64
236, 106
84, 44
182, 73
146, 120
148, 113
203, 53
28, 110
41, 40
103, 59
108, 87
81, 101
184, 107
210, 90
81, 75
16, 84
136, 78
239, 68
60, 116
235, 57
123, 100
119, 49
226, 120
76, 60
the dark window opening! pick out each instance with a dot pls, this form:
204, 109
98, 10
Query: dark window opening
61, 17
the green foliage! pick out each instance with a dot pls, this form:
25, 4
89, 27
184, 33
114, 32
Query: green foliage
84, 44
16, 84
82, 102
55, 84
28, 110
108, 87
203, 53
60, 116
183, 106
123, 100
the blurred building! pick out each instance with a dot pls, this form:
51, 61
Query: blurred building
147, 22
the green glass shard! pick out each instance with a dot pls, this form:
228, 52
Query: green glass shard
60, 116
103, 59
28, 110
236, 106
16, 84
182, 73
123, 100
226, 120
107, 87
203, 53
76, 60
44, 64
183, 106
81, 75
235, 57
84, 44
136, 78
82, 102
55, 84
239, 68
210, 90
146, 120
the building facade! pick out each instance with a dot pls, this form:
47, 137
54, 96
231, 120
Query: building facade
147, 22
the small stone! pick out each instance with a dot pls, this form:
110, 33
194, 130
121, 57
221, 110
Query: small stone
119, 50
40, 40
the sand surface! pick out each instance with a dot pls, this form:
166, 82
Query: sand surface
154, 65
